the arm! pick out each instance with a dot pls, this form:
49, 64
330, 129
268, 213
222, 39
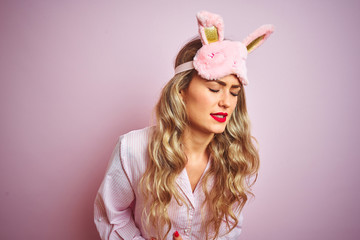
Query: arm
113, 215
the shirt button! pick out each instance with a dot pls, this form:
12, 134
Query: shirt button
99, 219
186, 230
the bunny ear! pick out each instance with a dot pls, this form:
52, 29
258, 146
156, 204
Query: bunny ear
211, 27
255, 39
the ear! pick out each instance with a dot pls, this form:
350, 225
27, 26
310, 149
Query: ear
255, 39
211, 27
182, 94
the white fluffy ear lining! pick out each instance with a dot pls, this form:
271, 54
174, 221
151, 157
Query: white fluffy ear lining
255, 39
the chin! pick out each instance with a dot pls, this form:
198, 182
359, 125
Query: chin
218, 130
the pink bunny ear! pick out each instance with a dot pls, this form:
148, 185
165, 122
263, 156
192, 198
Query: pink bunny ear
211, 27
255, 39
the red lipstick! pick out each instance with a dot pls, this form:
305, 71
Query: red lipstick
220, 116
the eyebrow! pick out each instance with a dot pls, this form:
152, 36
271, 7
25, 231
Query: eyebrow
224, 84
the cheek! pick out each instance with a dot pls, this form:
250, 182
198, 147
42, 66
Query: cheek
233, 105
201, 100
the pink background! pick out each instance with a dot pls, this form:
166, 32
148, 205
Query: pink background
77, 74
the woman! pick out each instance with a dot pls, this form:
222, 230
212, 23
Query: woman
189, 176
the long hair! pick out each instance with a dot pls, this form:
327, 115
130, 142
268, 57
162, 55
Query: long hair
235, 160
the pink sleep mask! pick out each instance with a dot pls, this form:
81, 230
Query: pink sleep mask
217, 57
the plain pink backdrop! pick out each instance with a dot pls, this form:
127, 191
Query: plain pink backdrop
77, 74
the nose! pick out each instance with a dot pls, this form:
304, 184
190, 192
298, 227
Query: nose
224, 100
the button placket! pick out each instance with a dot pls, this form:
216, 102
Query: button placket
187, 230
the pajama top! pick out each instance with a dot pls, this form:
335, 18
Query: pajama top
119, 202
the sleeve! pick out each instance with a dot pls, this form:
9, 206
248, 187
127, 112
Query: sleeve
113, 214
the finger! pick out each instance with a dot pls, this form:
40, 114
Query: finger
176, 236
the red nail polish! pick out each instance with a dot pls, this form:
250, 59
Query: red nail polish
176, 234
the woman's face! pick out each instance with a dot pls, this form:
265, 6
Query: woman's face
209, 104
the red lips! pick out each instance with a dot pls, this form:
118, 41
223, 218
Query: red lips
220, 116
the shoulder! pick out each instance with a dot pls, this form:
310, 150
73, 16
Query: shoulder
133, 151
138, 134
135, 140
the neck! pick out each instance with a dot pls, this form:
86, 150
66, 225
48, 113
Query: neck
195, 143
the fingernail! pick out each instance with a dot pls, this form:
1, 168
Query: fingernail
176, 234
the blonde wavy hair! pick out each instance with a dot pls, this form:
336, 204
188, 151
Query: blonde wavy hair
235, 159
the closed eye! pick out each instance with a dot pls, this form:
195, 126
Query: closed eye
213, 90
235, 94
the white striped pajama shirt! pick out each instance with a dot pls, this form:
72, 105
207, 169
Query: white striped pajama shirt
119, 203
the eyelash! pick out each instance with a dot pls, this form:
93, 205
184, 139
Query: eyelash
215, 91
